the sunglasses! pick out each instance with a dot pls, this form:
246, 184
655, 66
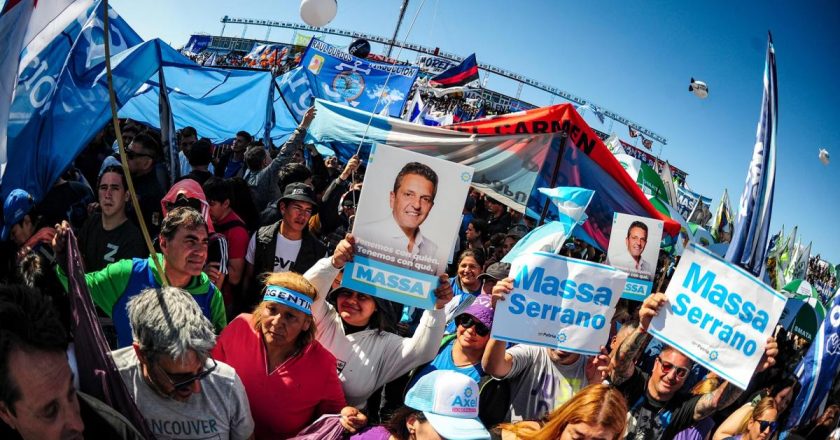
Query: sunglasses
182, 382
133, 154
681, 372
468, 321
764, 424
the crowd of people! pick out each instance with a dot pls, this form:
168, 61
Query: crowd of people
237, 325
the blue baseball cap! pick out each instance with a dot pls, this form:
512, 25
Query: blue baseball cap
449, 400
17, 204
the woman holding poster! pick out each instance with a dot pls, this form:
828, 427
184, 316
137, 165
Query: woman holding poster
368, 357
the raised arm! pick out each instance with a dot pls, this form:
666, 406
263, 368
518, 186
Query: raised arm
496, 361
624, 358
727, 393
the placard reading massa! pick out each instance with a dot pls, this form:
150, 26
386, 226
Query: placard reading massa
407, 223
634, 248
718, 314
559, 302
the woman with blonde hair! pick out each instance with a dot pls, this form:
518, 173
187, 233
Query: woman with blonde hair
290, 378
762, 422
597, 412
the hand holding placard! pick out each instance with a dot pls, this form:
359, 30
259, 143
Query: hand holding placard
718, 315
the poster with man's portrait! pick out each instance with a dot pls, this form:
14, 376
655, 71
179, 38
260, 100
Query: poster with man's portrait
406, 224
634, 248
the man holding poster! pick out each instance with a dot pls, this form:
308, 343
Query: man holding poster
657, 409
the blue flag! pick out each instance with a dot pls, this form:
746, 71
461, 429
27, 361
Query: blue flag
749, 239
336, 76
571, 203
817, 369
59, 95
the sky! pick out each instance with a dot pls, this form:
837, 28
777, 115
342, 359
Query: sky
633, 58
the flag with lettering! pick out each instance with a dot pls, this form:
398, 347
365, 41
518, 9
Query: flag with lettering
749, 239
816, 371
337, 76
60, 90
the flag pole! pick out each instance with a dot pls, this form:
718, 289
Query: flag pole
555, 173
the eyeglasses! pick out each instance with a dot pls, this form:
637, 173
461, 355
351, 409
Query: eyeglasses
468, 321
131, 154
764, 424
681, 372
182, 382
301, 209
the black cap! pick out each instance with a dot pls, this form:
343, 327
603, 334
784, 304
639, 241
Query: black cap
302, 193
496, 271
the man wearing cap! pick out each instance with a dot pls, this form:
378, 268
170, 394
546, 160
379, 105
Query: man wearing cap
285, 246
22, 225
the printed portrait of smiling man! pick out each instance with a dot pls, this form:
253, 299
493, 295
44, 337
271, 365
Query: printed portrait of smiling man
411, 200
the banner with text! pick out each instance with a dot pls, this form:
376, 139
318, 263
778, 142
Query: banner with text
407, 223
558, 302
718, 314
337, 76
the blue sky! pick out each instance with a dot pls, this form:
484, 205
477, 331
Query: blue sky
634, 58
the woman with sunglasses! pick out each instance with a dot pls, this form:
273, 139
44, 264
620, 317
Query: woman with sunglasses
762, 422
463, 350
289, 377
351, 330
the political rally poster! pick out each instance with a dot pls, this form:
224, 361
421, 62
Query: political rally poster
634, 248
337, 76
408, 218
718, 314
559, 302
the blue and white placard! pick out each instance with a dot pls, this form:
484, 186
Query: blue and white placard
634, 248
407, 223
718, 315
559, 302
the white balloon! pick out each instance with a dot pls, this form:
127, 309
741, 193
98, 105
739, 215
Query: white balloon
318, 13
824, 156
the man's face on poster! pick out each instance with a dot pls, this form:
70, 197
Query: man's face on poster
412, 201
636, 242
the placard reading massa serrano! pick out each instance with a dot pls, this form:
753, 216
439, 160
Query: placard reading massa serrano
559, 302
407, 223
718, 314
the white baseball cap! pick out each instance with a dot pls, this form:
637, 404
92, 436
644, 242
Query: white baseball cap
449, 400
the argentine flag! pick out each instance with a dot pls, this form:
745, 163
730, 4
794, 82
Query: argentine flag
571, 203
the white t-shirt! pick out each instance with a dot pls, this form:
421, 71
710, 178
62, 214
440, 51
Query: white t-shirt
219, 411
285, 253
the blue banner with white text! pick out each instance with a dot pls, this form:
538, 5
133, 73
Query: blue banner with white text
337, 76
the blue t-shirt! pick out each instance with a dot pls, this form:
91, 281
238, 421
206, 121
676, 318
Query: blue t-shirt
444, 361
